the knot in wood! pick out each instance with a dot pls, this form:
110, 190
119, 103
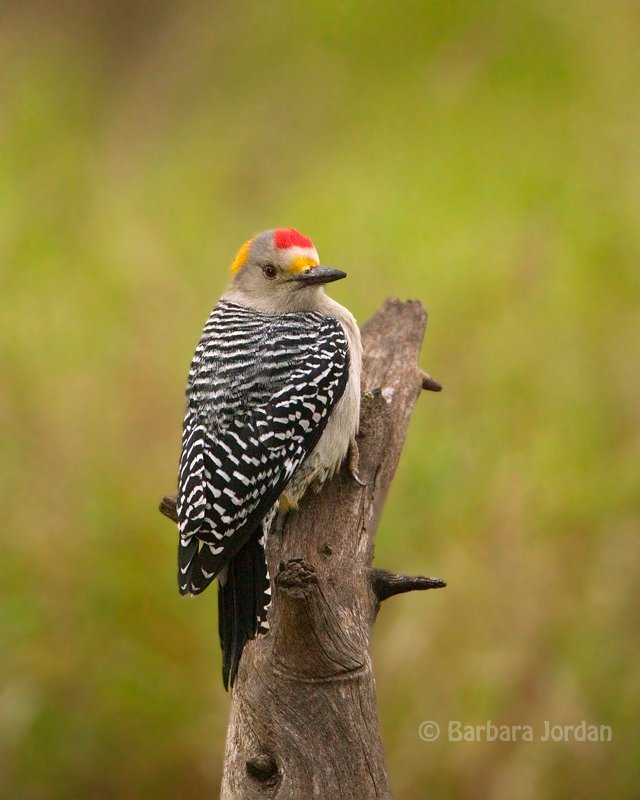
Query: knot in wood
296, 577
263, 768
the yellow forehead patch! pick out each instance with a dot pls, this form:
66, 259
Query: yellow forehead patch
241, 257
301, 263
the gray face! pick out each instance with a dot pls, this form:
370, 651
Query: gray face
278, 279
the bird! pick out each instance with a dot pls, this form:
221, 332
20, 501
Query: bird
272, 411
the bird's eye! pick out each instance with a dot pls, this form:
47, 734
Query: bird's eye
269, 271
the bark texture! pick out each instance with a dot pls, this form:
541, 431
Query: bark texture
303, 718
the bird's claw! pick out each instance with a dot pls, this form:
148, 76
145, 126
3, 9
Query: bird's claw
358, 479
354, 461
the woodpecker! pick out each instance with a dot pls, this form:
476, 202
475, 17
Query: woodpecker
273, 404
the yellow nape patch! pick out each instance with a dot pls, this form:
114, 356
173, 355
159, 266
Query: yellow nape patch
285, 504
241, 257
301, 263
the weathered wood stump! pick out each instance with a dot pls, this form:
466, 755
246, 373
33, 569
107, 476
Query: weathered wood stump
303, 710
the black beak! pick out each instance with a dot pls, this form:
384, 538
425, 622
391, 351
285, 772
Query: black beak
319, 275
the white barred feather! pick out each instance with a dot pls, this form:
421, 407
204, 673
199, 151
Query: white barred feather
260, 392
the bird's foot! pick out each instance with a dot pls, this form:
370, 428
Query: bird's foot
354, 461
278, 525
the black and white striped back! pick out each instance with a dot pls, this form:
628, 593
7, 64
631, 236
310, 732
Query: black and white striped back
260, 392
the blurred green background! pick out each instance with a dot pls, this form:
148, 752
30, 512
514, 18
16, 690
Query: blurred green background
483, 157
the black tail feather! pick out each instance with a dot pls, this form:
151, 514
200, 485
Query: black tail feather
241, 603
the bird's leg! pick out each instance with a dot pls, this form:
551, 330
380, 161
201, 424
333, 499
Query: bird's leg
277, 528
354, 461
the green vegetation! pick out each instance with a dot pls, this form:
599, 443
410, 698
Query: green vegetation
482, 157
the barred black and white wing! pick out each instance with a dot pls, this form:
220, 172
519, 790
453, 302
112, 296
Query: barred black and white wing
261, 390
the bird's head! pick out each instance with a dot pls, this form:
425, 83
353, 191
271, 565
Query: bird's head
279, 271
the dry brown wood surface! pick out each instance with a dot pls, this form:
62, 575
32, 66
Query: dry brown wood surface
303, 720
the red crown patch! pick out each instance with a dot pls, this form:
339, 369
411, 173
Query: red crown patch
290, 237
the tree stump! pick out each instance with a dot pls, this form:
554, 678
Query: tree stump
303, 710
